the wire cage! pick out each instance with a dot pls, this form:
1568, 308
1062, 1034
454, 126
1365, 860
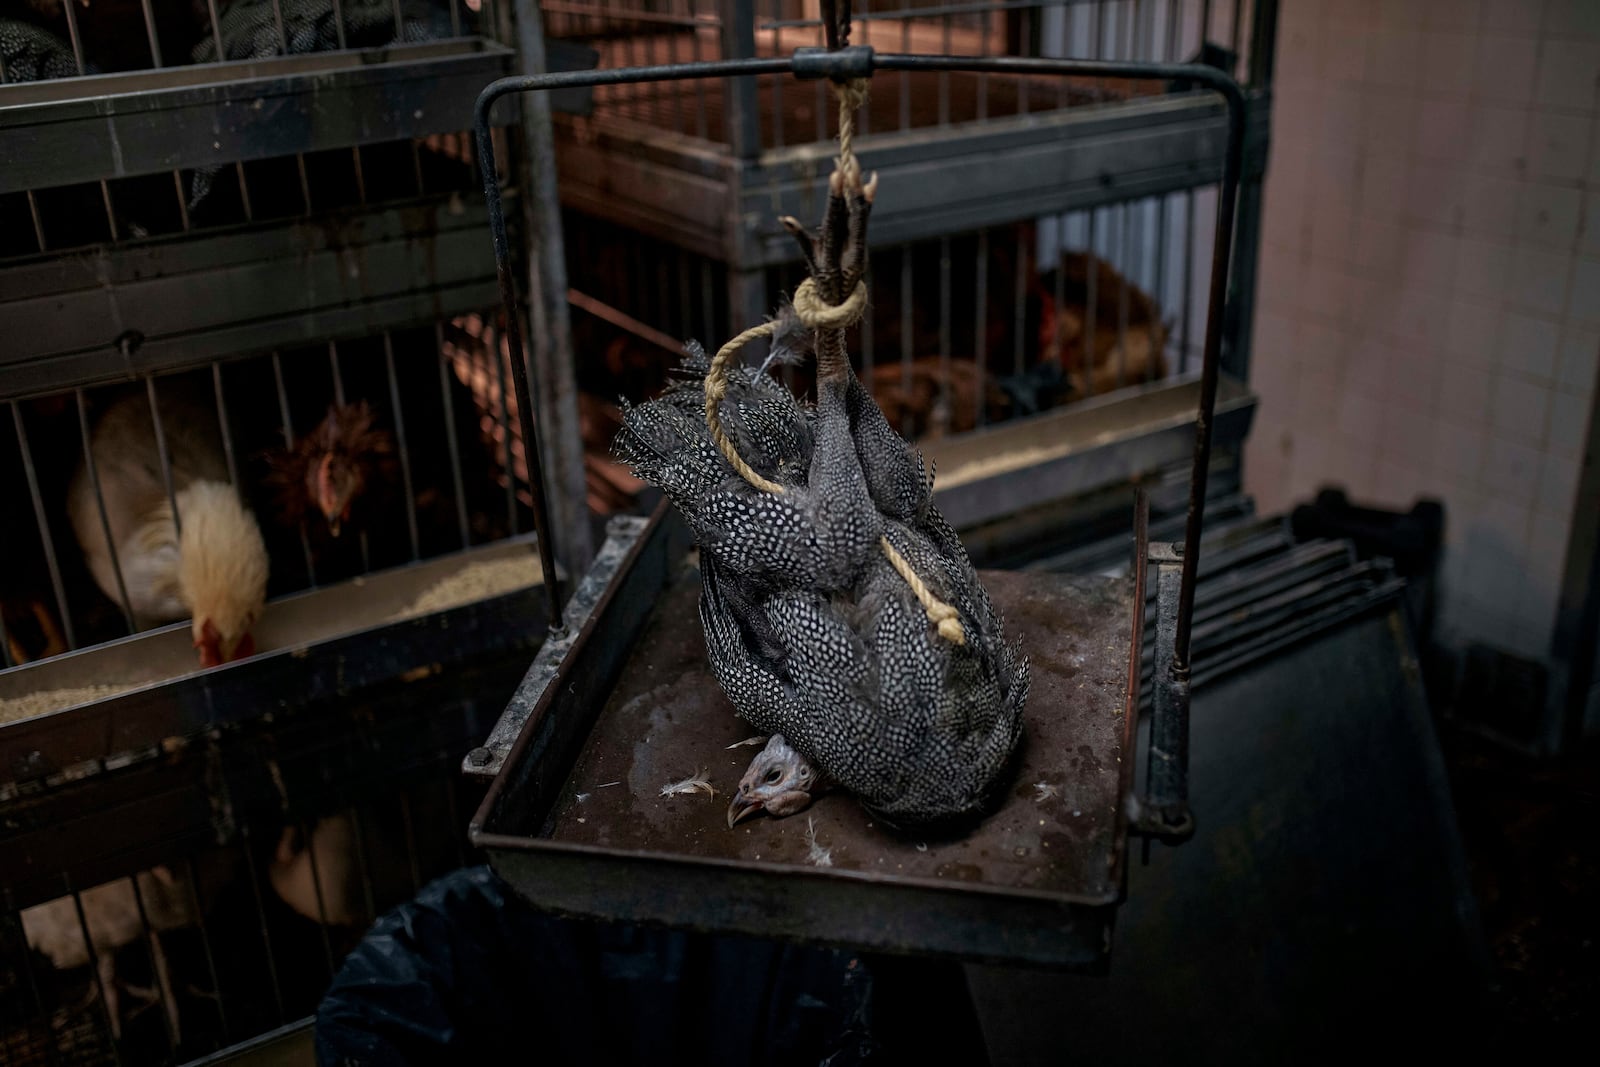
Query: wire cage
1047, 244
229, 251
275, 846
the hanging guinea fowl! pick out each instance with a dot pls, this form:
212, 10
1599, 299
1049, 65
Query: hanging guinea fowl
841, 613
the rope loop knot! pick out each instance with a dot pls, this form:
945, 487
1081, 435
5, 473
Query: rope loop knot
817, 314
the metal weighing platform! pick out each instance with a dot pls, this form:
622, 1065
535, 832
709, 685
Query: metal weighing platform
620, 702
575, 819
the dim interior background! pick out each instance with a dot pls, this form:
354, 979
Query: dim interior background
1419, 316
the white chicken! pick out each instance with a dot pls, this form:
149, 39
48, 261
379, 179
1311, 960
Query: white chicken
210, 565
111, 912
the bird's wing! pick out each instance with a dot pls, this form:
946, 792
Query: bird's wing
732, 625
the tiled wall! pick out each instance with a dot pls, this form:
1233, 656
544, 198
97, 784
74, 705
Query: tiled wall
1429, 313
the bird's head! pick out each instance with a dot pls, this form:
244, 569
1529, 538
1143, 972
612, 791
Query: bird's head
217, 646
345, 449
779, 781
222, 572
334, 482
330, 468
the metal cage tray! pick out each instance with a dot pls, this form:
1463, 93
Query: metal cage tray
145, 122
575, 819
317, 645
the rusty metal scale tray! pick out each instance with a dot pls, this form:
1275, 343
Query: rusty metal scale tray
575, 819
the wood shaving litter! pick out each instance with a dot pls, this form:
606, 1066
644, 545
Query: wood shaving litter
476, 581
47, 700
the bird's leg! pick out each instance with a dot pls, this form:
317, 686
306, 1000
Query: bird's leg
841, 260
853, 261
831, 240
164, 988
54, 643
107, 965
805, 239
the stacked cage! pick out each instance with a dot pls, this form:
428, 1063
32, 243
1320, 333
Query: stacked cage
1040, 245
242, 244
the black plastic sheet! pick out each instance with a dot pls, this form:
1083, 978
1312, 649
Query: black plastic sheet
468, 973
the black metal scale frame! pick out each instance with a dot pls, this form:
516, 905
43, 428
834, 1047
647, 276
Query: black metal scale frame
1163, 810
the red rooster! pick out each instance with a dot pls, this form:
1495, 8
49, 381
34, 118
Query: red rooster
331, 468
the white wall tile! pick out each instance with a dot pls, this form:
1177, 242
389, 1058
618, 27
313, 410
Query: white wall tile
1528, 345
1334, 176
1448, 62
1452, 14
1549, 214
1569, 424
1435, 295
1539, 279
1379, 248
1318, 390
1589, 223
1344, 55
1594, 157
1558, 486
1299, 59
1430, 260
1332, 231
1444, 130
1340, 119
1488, 205
1383, 186
1517, 411
1366, 370
1388, 123
1353, 464
1499, 139
1393, 60
1547, 554
1484, 268
1586, 290
1464, 395
1567, 73
1407, 439
1413, 380
1283, 221
1323, 345
1579, 357
1457, 452
1558, 145
1505, 69
1326, 291
1572, 18
1396, 15
1359, 417
1504, 523
1414, 317
1516, 16
1472, 336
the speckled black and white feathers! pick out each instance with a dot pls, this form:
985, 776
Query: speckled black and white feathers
31, 53
809, 629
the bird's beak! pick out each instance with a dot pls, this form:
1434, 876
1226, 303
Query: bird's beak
741, 808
